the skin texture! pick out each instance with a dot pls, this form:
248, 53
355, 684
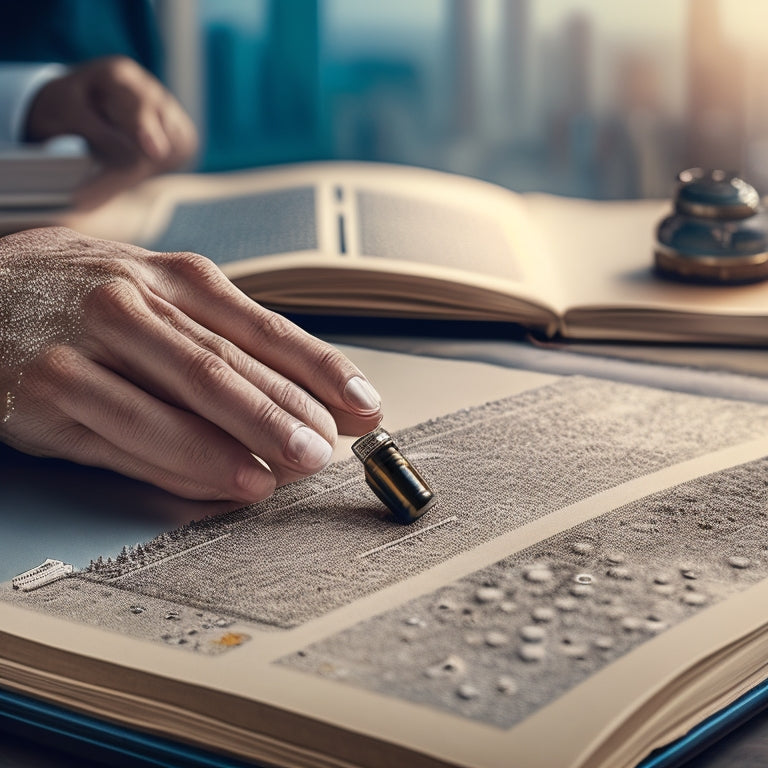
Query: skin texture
134, 126
156, 366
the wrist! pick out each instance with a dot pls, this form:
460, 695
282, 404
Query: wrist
19, 86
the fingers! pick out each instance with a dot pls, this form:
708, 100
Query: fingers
169, 373
113, 424
126, 115
86, 447
180, 130
135, 104
198, 287
166, 353
145, 126
124, 165
131, 104
318, 367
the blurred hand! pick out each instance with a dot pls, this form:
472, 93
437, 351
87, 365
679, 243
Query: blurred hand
134, 126
156, 366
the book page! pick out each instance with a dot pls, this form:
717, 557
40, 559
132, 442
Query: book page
604, 252
364, 238
383, 240
578, 524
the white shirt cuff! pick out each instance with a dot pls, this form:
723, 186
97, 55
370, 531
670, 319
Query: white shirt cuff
19, 84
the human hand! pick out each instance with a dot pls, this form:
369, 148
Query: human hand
134, 126
155, 365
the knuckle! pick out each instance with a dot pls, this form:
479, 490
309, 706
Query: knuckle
53, 378
197, 451
274, 327
294, 400
270, 416
118, 297
329, 357
329, 361
325, 424
192, 266
206, 373
290, 396
224, 473
60, 363
225, 350
121, 69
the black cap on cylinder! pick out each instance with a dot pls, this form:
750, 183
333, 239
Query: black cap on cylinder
394, 480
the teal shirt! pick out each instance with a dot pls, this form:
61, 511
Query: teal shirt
71, 31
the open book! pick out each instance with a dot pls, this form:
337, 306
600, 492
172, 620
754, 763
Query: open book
590, 585
42, 176
383, 240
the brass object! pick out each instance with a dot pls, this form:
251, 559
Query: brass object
394, 480
717, 233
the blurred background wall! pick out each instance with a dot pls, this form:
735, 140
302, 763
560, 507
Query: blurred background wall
595, 98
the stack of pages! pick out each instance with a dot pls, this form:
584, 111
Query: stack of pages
35, 176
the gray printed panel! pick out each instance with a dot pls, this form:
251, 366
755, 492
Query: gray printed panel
297, 555
509, 639
242, 227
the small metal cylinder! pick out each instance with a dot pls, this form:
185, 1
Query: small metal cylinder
394, 480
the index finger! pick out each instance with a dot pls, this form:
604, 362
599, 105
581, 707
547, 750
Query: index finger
200, 289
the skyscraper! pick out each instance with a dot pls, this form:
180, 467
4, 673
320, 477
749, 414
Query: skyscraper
515, 40
714, 135
291, 95
461, 60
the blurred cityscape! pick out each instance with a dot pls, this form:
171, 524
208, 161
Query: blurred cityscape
578, 97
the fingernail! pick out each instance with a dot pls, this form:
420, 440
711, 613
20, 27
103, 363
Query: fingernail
361, 395
256, 483
307, 448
